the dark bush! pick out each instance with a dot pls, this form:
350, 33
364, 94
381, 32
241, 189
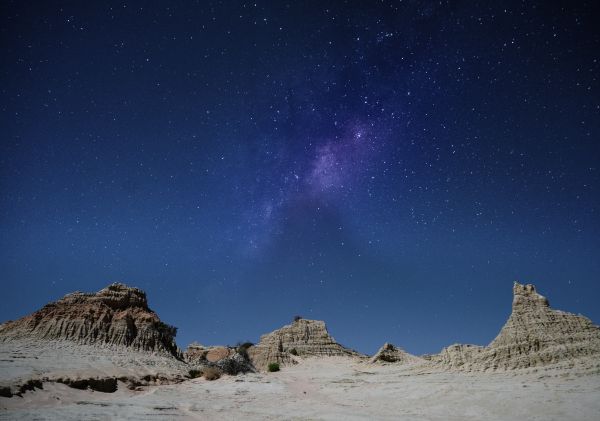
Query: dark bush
296, 318
244, 345
273, 367
293, 351
166, 329
242, 349
193, 373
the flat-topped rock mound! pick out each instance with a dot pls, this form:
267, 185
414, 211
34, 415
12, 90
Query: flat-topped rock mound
534, 335
117, 315
303, 338
390, 353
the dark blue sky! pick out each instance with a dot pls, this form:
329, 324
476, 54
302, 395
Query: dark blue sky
388, 167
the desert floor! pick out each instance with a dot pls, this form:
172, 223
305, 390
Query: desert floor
330, 389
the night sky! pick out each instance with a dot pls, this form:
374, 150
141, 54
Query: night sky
390, 167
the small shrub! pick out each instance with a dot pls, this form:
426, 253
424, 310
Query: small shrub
193, 373
293, 351
211, 373
273, 367
296, 318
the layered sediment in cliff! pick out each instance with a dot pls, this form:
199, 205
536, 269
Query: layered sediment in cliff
534, 335
116, 315
390, 353
302, 338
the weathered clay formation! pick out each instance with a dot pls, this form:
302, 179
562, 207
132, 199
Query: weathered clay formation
389, 353
457, 356
229, 360
116, 315
534, 335
301, 338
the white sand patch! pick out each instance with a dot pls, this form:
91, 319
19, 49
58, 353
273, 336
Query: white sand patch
22, 360
331, 389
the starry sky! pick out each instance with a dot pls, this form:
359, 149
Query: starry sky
390, 167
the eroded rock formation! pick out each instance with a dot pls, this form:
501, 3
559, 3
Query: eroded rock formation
116, 315
457, 356
229, 360
301, 338
389, 353
196, 352
534, 335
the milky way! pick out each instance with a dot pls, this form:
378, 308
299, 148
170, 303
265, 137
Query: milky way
390, 167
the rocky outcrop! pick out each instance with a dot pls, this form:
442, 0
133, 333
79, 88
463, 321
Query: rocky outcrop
389, 353
229, 360
196, 352
117, 319
116, 315
301, 338
534, 335
457, 356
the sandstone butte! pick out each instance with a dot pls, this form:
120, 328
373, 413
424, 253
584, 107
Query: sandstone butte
302, 338
118, 315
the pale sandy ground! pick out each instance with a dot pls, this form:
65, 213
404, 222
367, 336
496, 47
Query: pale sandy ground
22, 360
34, 359
330, 389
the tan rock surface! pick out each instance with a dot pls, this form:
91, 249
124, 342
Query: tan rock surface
196, 352
218, 353
213, 354
534, 335
304, 338
389, 353
457, 356
229, 360
116, 315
